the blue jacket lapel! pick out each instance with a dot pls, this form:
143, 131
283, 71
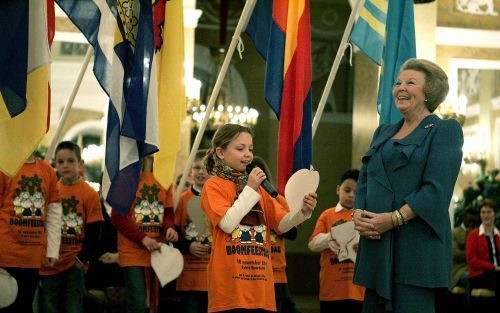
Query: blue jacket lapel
408, 144
386, 132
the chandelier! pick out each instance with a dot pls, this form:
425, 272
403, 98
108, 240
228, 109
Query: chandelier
230, 106
222, 113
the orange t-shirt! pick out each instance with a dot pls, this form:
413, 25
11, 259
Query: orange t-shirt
335, 278
278, 258
194, 274
240, 273
24, 199
81, 205
147, 213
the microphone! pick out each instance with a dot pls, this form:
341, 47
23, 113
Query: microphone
266, 184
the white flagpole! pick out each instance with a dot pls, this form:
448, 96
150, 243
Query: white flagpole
336, 63
67, 108
242, 23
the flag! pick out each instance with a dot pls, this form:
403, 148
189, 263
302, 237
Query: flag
281, 33
121, 33
24, 77
369, 32
14, 29
398, 46
169, 42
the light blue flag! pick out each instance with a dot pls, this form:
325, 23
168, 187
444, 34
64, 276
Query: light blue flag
399, 47
369, 32
385, 32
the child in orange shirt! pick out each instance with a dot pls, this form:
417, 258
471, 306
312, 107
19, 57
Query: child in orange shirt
337, 293
192, 283
240, 274
63, 284
149, 222
30, 217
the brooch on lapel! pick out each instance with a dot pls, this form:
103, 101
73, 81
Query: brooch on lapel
428, 125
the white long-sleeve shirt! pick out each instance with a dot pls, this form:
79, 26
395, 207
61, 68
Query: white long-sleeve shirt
245, 202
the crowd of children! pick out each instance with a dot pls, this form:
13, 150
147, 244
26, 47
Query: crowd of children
59, 236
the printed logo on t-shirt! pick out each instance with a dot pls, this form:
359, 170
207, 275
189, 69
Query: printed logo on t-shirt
275, 243
247, 247
72, 226
249, 234
27, 218
29, 200
249, 237
192, 233
148, 211
248, 240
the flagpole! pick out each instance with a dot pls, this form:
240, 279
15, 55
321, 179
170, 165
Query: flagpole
242, 23
336, 63
67, 108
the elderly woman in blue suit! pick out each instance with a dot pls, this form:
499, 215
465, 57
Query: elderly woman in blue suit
403, 196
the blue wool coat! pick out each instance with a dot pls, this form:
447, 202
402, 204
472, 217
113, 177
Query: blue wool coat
423, 176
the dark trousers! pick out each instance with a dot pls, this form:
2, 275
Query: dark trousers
488, 280
63, 292
351, 306
27, 280
135, 285
194, 301
284, 302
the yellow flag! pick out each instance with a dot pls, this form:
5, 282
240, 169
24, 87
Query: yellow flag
20, 136
171, 91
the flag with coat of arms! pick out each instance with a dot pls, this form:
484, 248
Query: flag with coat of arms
121, 33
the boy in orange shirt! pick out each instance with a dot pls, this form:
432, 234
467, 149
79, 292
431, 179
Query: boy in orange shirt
30, 217
337, 293
63, 284
192, 283
149, 222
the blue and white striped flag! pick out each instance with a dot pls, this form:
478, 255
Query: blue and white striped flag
385, 32
121, 33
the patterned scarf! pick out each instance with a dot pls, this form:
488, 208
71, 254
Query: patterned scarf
224, 171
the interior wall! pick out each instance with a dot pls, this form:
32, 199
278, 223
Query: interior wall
444, 56
365, 118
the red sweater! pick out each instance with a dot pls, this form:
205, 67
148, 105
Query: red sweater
478, 253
